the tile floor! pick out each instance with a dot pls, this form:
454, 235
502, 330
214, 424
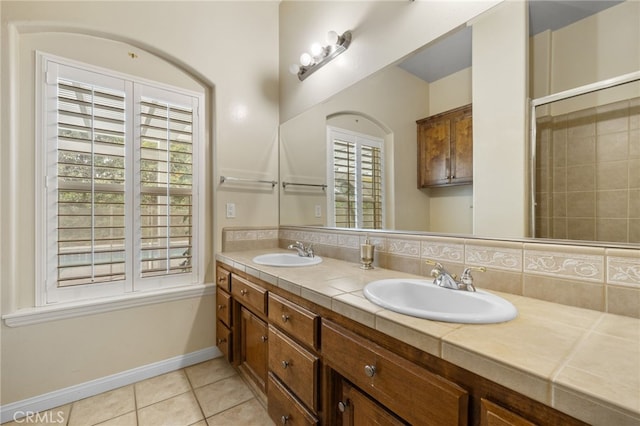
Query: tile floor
207, 394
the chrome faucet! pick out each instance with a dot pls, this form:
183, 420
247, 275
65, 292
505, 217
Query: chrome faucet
442, 278
301, 249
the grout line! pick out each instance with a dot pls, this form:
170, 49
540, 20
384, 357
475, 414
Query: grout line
193, 391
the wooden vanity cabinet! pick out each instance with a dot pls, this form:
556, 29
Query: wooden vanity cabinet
313, 366
251, 337
224, 323
410, 392
445, 148
294, 363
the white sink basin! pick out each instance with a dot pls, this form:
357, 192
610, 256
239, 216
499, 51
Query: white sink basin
286, 259
423, 299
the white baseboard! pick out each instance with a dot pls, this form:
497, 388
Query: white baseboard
104, 384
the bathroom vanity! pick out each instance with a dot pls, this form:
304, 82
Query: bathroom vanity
327, 363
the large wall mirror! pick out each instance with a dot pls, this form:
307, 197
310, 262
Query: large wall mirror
571, 44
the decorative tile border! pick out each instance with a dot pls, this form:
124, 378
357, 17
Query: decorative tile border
564, 265
444, 251
623, 271
401, 247
251, 234
348, 240
509, 259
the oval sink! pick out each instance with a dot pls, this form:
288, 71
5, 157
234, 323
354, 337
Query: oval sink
423, 299
286, 259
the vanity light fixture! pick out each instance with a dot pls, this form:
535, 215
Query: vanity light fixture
320, 56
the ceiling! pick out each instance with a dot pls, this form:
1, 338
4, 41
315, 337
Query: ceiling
453, 52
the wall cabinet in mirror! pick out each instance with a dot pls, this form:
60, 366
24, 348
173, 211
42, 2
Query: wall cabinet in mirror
445, 148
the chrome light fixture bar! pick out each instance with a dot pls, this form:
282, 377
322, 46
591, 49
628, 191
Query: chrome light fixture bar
320, 56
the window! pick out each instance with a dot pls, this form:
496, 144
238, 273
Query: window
356, 176
121, 207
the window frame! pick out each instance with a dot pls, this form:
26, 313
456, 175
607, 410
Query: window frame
358, 139
47, 292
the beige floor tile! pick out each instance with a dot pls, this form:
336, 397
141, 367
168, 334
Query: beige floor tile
209, 372
102, 407
222, 395
129, 419
162, 387
250, 413
181, 410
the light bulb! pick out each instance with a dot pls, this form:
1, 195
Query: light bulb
332, 37
316, 49
305, 59
294, 68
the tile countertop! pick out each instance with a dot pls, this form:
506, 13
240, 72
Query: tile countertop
584, 363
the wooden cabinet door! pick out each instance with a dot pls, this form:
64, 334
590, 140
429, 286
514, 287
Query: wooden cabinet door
495, 415
224, 340
411, 392
284, 408
462, 148
359, 410
445, 148
433, 153
253, 347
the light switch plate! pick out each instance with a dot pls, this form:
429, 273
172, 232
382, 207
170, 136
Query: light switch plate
231, 210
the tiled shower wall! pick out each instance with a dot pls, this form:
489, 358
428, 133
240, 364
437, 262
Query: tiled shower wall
598, 278
588, 174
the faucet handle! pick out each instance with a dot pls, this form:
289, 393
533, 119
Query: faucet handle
467, 279
467, 271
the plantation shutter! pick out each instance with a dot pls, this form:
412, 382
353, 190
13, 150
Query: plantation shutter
91, 184
120, 197
357, 180
166, 182
344, 172
371, 169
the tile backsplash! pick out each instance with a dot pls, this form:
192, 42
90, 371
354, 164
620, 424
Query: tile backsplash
598, 278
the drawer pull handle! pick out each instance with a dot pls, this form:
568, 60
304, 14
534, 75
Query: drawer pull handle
370, 370
285, 364
263, 338
221, 307
221, 341
342, 406
243, 292
285, 318
222, 279
284, 419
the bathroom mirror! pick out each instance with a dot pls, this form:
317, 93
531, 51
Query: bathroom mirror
388, 103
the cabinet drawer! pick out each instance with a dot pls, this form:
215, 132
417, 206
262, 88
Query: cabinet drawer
295, 366
283, 407
224, 340
295, 320
249, 294
223, 278
223, 306
415, 394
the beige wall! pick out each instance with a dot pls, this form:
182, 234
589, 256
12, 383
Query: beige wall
500, 87
383, 32
239, 74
